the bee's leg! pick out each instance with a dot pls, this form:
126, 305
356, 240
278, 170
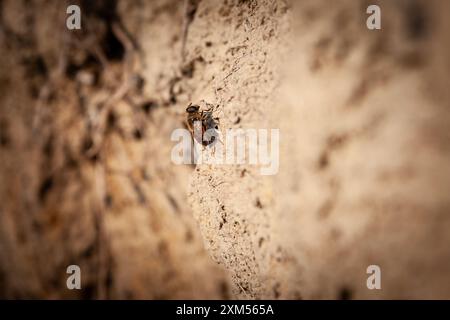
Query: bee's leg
209, 105
189, 127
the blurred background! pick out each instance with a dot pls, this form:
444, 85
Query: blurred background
86, 176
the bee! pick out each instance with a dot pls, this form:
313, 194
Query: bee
206, 120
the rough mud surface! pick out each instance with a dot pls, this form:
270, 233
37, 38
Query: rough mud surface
86, 176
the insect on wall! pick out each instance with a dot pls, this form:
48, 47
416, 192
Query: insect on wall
205, 144
209, 125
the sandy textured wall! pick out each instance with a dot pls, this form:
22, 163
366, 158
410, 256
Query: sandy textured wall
86, 176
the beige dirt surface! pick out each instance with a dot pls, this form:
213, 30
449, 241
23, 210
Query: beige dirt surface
86, 175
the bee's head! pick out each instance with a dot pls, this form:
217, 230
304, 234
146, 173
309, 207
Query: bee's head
192, 108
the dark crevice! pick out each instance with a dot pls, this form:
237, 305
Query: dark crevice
106, 11
416, 21
112, 47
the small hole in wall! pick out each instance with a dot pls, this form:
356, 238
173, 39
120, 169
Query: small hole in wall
345, 294
46, 186
258, 203
137, 134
